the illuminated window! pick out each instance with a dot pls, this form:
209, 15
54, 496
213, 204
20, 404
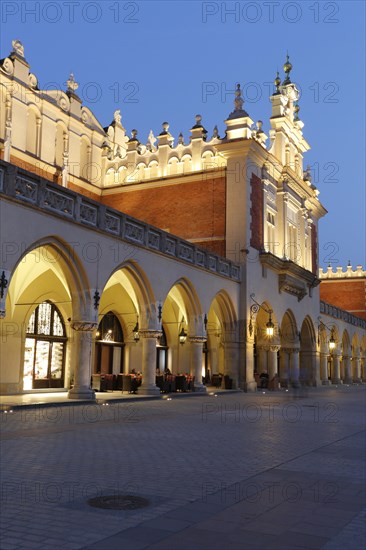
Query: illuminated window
45, 345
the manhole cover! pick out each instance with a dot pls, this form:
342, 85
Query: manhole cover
118, 502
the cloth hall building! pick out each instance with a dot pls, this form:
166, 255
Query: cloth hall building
198, 255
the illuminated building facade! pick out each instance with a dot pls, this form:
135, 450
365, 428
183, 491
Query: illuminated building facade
201, 256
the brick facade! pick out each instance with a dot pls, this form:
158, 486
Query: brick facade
193, 210
314, 250
256, 212
348, 294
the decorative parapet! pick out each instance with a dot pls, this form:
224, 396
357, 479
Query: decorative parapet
341, 314
30, 189
340, 274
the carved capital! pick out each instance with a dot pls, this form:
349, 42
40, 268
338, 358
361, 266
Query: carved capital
274, 349
150, 333
84, 326
197, 339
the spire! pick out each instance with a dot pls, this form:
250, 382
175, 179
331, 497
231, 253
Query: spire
180, 139
277, 83
238, 112
287, 68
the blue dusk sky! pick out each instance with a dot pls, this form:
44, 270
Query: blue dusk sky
168, 61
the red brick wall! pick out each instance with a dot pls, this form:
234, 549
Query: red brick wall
39, 168
256, 212
314, 250
191, 210
345, 294
84, 192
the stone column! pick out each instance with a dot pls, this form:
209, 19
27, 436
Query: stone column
336, 374
148, 386
272, 361
363, 369
294, 368
82, 370
285, 366
232, 364
262, 359
324, 369
196, 343
347, 370
356, 369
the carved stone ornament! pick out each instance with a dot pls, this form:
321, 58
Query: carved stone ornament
64, 102
72, 85
117, 116
150, 333
197, 339
7, 66
84, 326
32, 80
84, 116
18, 47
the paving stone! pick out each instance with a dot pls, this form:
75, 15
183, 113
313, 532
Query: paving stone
212, 482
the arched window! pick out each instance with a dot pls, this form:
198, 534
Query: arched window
109, 346
45, 346
32, 132
59, 146
162, 352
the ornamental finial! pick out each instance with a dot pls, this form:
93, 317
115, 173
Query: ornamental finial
117, 116
277, 83
238, 101
18, 47
287, 68
72, 85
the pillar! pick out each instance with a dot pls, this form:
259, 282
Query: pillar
294, 368
196, 343
272, 361
231, 368
356, 369
284, 366
347, 370
336, 374
324, 369
148, 386
82, 371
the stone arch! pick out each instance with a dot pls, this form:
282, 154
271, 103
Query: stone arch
221, 352
288, 354
47, 271
308, 365
181, 311
127, 292
141, 171
110, 177
266, 348
173, 165
153, 168
186, 161
208, 160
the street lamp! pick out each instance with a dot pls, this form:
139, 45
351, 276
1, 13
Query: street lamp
254, 308
135, 331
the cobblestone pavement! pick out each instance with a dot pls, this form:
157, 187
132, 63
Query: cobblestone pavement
280, 470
